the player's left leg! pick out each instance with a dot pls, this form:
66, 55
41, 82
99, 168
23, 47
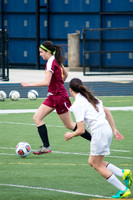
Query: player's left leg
124, 173
98, 164
67, 120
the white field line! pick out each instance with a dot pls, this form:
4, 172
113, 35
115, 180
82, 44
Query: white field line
7, 154
84, 154
117, 150
118, 157
127, 108
18, 111
28, 124
20, 123
69, 153
53, 190
120, 150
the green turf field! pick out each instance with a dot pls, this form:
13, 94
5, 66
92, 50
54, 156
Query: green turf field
63, 174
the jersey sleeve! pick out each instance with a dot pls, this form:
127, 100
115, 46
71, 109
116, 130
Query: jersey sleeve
78, 111
50, 66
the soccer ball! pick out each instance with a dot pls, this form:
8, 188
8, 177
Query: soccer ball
32, 94
14, 95
2, 95
23, 149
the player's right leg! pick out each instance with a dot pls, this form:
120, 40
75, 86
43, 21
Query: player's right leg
122, 194
38, 117
127, 177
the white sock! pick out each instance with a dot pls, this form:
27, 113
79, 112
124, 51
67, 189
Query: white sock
115, 182
115, 170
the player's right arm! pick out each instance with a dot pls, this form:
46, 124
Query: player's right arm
45, 82
79, 131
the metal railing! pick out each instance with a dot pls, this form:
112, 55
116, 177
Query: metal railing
98, 35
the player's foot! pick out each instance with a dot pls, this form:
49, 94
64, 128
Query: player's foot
127, 177
122, 194
42, 150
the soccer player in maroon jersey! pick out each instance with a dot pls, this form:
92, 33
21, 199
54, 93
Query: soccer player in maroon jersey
57, 98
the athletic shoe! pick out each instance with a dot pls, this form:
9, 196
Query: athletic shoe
122, 194
127, 177
42, 150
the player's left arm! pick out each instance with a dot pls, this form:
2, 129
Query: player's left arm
110, 119
79, 131
65, 73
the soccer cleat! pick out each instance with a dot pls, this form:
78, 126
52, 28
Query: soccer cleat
42, 150
127, 177
122, 194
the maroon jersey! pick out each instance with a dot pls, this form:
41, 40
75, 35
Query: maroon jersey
59, 98
56, 85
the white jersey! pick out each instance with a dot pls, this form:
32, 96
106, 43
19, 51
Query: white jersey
85, 111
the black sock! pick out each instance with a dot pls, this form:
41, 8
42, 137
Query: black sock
42, 130
85, 135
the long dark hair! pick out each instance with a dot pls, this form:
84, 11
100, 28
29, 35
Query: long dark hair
77, 86
55, 50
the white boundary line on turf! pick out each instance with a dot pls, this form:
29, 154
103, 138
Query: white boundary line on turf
85, 154
53, 190
20, 123
7, 154
117, 150
69, 153
48, 125
18, 111
128, 158
126, 108
27, 124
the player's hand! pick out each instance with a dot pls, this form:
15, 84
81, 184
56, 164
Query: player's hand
25, 84
68, 136
117, 135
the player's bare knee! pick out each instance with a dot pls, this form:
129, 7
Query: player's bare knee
68, 126
71, 126
90, 162
35, 118
96, 166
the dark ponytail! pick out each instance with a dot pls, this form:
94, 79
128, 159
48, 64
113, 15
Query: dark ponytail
77, 86
55, 50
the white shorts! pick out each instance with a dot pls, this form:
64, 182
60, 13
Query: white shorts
101, 140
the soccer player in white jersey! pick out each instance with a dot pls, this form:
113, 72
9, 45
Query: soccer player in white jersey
89, 110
